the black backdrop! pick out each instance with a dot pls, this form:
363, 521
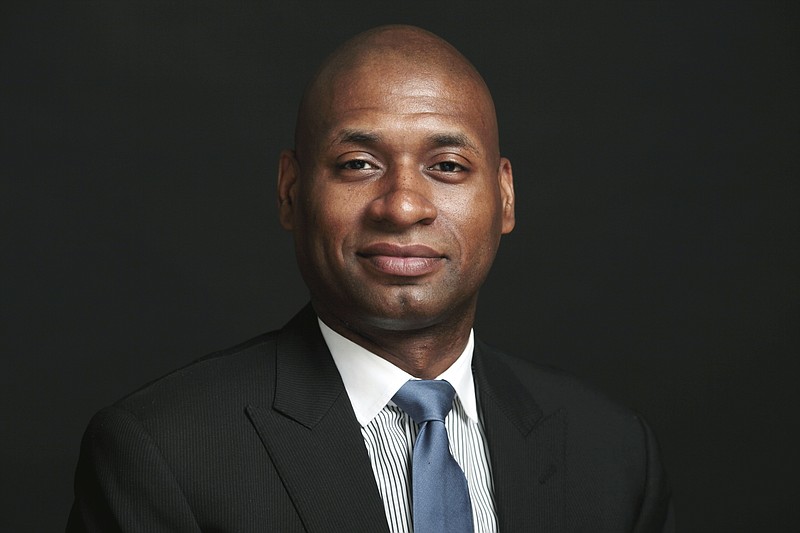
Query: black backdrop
655, 149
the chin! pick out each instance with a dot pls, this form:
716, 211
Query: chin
406, 321
405, 315
402, 308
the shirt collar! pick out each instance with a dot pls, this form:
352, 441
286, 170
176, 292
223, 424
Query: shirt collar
371, 381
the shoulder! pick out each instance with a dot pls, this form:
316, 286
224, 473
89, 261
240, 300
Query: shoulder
191, 416
590, 413
226, 379
232, 378
611, 457
552, 388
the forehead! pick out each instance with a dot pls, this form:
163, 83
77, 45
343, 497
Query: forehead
406, 98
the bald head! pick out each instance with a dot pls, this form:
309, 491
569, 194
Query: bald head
393, 55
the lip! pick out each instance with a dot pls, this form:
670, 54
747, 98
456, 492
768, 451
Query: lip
401, 260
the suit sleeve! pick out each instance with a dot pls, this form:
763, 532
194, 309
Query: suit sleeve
123, 483
656, 514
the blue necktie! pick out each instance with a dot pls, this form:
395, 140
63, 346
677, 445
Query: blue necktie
440, 494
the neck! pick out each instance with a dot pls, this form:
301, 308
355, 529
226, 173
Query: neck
422, 352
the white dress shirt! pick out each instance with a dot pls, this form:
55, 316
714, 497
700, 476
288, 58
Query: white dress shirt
389, 433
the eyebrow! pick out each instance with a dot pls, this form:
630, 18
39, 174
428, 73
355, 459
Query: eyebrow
439, 140
356, 137
457, 140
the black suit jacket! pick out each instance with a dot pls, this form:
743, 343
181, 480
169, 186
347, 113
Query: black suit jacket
262, 437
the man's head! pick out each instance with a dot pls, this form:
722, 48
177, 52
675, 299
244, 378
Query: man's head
396, 192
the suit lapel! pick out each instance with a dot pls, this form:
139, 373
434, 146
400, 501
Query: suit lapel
526, 449
313, 437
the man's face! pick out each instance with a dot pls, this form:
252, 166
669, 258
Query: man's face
398, 199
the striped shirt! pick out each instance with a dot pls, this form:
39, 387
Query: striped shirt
389, 433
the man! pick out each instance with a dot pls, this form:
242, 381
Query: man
397, 197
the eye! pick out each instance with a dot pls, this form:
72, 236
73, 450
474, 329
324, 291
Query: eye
356, 164
447, 166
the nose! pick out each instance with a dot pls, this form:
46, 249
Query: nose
404, 200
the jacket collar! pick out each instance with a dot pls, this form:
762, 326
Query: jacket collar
526, 448
314, 440
313, 437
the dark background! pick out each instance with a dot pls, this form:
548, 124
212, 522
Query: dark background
655, 149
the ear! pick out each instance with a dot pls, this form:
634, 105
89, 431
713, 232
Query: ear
288, 175
506, 179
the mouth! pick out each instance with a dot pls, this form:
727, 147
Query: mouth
401, 260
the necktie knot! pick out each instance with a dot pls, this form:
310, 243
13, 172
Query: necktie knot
425, 400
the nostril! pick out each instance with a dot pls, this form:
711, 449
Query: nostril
403, 207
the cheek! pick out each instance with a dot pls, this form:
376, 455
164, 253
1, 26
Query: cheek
329, 220
478, 219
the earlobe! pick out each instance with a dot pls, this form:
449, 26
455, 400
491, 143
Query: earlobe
506, 178
288, 171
